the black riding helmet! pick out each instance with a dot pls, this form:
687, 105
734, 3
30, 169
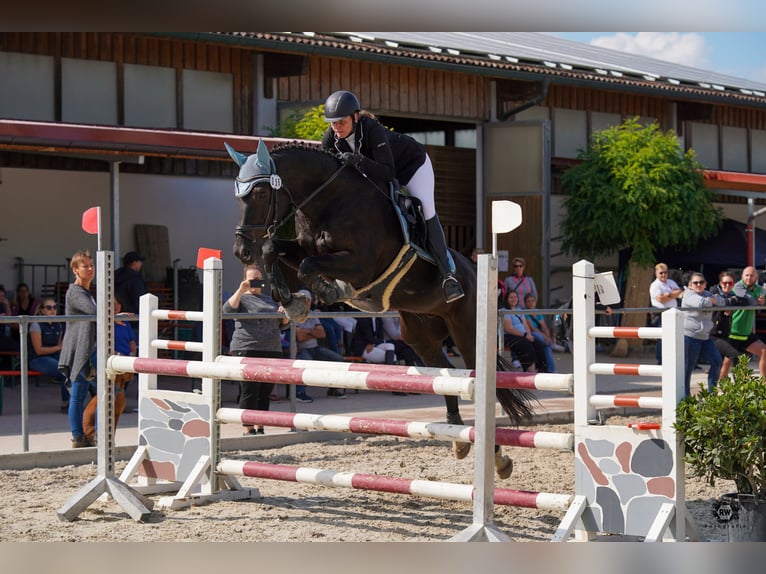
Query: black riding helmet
339, 105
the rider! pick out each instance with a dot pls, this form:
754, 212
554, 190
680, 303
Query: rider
386, 155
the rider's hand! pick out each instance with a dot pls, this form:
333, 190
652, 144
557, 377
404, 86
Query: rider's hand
351, 159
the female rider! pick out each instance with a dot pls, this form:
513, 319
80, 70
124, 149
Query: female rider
385, 155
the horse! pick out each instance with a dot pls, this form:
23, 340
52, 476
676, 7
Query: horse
350, 246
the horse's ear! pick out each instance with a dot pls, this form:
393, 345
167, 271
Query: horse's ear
263, 159
238, 158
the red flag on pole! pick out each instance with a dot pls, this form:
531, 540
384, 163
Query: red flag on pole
205, 253
90, 220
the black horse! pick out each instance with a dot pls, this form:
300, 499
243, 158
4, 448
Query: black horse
349, 246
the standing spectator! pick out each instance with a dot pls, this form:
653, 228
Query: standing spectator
664, 294
254, 338
520, 282
309, 349
78, 351
742, 334
45, 339
519, 339
129, 285
124, 344
697, 327
540, 331
722, 321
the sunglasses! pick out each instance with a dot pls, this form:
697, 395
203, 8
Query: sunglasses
727, 282
518, 265
698, 282
49, 307
662, 272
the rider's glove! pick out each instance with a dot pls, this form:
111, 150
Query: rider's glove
351, 159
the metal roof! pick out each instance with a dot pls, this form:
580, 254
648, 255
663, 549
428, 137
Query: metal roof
557, 52
526, 55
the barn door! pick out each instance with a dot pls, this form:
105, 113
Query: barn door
517, 168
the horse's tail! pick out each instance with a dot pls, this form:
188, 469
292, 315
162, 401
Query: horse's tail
517, 403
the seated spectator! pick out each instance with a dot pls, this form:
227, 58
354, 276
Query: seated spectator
309, 349
540, 331
7, 342
44, 346
369, 342
519, 339
393, 334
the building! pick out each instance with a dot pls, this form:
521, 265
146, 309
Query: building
135, 123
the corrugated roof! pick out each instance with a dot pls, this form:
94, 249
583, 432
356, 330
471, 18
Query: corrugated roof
518, 53
535, 46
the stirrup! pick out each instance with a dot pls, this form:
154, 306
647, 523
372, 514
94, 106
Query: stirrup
451, 289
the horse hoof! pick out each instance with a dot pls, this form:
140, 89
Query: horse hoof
297, 310
503, 465
461, 449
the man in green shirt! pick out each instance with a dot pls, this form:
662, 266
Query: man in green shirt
742, 335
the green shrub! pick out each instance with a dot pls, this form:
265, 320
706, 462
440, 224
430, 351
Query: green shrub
725, 432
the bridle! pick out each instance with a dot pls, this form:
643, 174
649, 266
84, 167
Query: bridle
275, 185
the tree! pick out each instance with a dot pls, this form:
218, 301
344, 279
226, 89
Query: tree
307, 125
635, 187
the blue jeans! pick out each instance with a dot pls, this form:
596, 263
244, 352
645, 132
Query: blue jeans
547, 351
333, 332
48, 365
78, 399
694, 349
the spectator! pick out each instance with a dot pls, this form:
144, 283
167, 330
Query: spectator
742, 334
697, 327
540, 331
7, 343
78, 351
254, 338
45, 339
519, 339
24, 303
722, 321
333, 330
129, 285
124, 344
393, 334
369, 342
309, 349
520, 282
664, 294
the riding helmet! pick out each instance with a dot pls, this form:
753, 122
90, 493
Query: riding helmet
339, 105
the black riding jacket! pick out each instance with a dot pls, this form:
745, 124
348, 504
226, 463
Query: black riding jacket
387, 154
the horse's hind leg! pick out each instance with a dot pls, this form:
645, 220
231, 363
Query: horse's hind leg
461, 449
503, 463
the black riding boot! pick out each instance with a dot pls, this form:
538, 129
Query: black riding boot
438, 246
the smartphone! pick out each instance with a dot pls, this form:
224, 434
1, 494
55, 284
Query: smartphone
254, 283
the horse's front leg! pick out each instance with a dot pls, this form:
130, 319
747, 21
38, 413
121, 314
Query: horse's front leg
320, 272
274, 252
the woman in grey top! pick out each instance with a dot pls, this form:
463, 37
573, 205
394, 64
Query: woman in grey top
254, 338
78, 348
697, 327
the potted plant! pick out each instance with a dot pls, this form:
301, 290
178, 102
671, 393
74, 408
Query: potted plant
725, 437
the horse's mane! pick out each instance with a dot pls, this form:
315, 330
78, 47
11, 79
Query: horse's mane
304, 146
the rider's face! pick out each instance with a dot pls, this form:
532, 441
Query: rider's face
342, 128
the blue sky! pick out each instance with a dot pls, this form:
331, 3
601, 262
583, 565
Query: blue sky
740, 54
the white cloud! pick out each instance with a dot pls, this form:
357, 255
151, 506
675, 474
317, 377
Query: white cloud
686, 48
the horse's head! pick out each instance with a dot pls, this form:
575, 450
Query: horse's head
255, 188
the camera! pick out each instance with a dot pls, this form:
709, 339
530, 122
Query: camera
255, 283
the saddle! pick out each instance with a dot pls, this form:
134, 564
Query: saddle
410, 212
